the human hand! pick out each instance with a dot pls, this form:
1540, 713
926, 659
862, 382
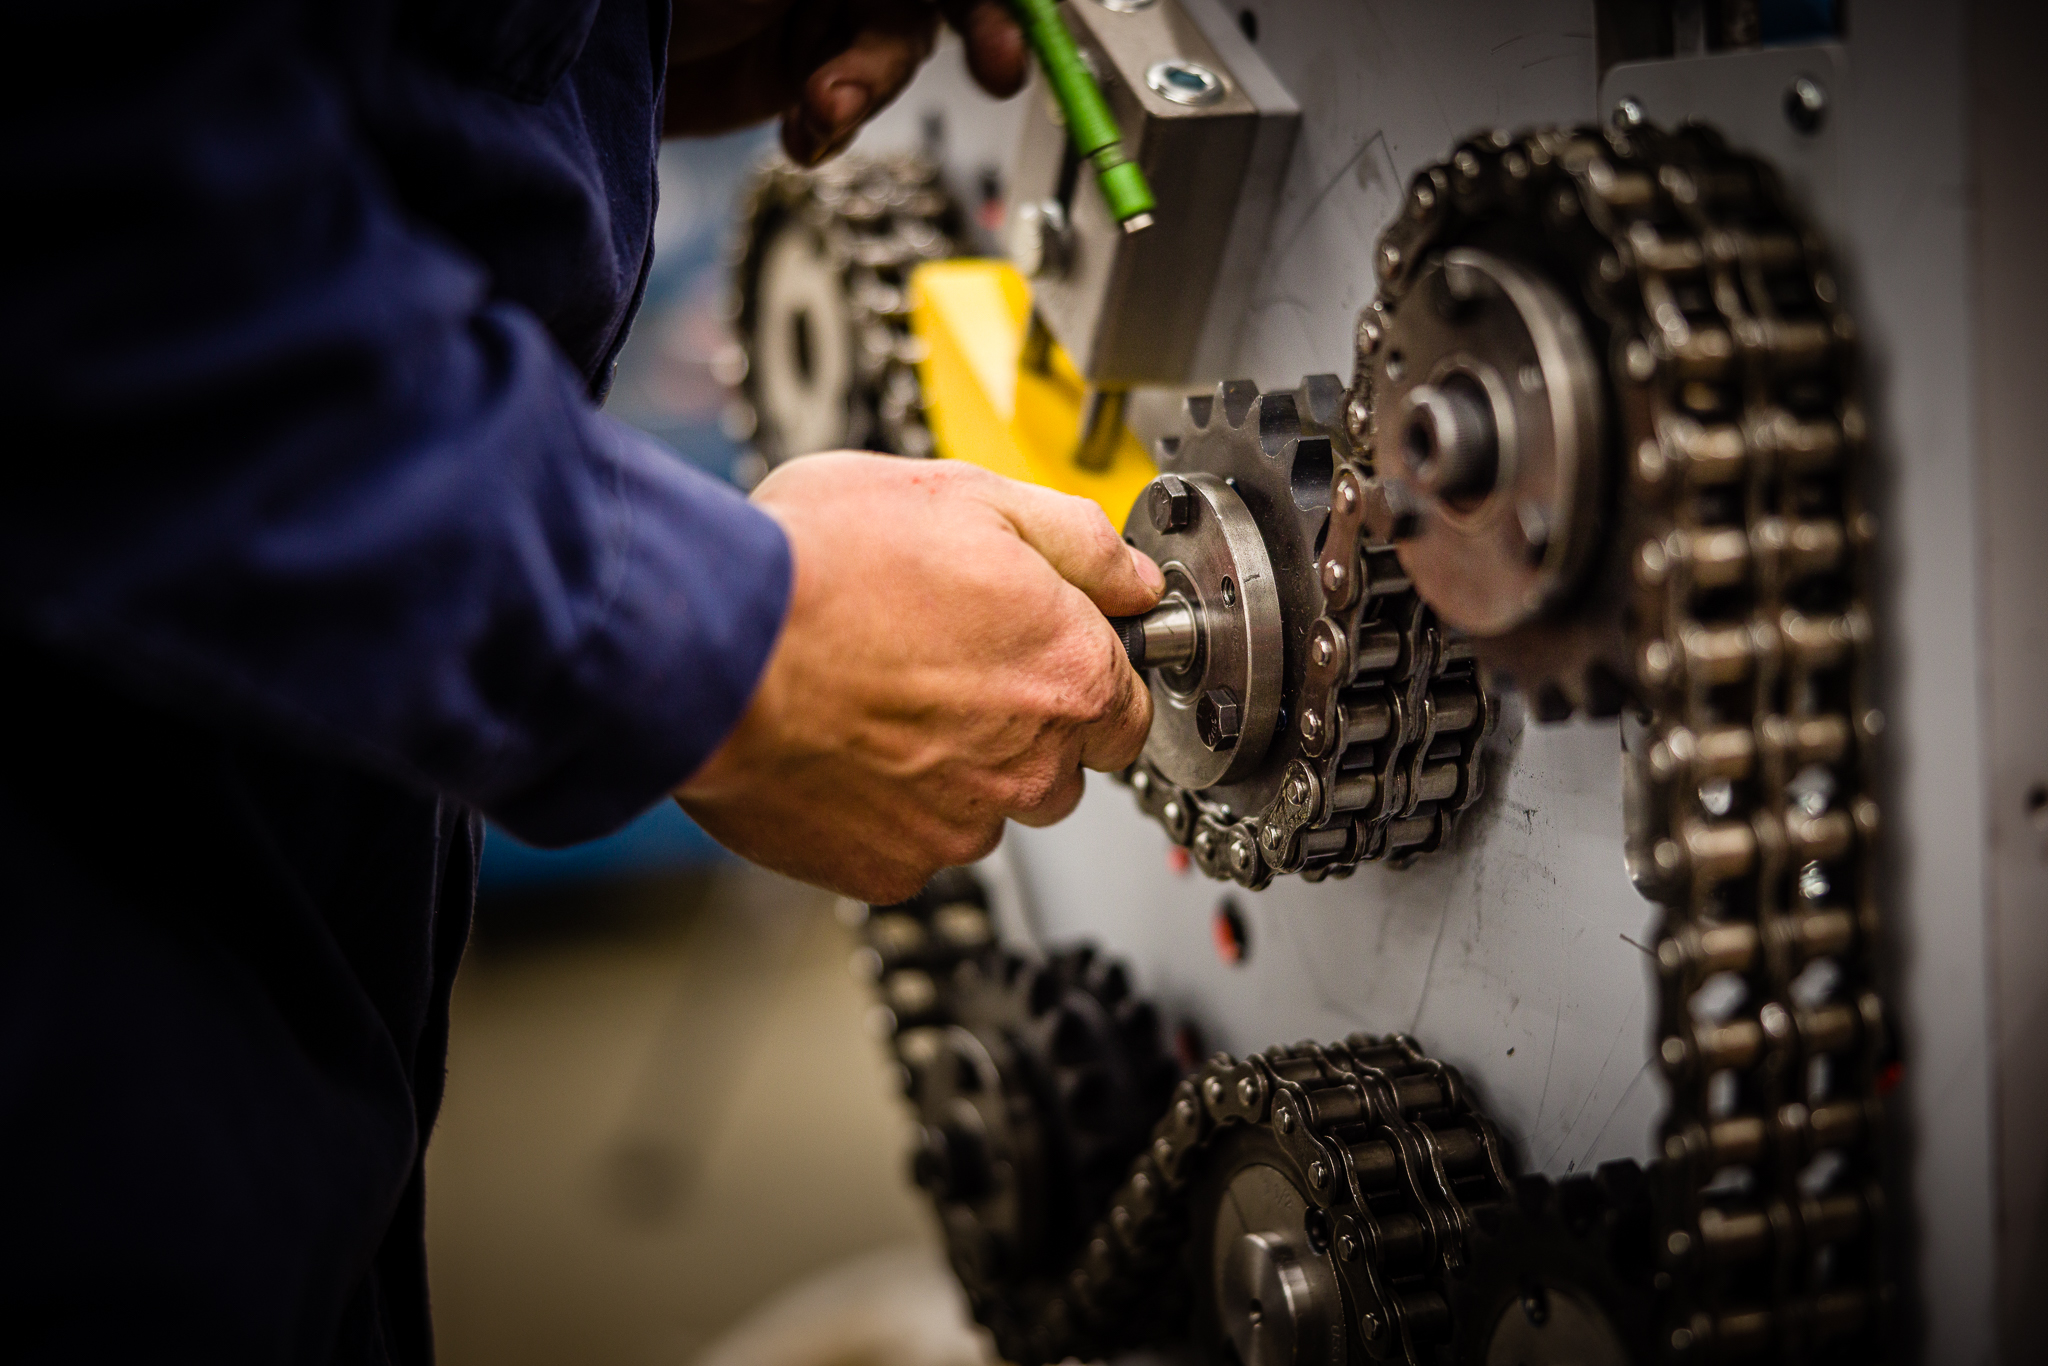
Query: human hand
824, 66
946, 664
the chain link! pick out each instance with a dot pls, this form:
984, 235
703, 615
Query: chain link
1390, 719
1749, 636
877, 219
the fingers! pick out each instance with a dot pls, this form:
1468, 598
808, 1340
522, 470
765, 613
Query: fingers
1076, 538
1115, 741
894, 38
995, 45
1057, 804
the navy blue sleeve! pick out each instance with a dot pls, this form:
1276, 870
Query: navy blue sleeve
282, 456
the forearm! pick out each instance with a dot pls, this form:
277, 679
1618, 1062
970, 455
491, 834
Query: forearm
283, 460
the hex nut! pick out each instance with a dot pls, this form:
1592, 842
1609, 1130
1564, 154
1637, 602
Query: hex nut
1170, 503
1219, 720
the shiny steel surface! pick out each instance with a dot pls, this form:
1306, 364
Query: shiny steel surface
1218, 565
1491, 456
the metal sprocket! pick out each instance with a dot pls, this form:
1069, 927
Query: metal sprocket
821, 304
1382, 717
1036, 1083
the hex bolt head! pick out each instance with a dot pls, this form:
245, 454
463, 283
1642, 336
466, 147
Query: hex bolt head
1219, 719
1170, 503
1806, 104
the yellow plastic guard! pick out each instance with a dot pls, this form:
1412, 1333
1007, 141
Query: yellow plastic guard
983, 407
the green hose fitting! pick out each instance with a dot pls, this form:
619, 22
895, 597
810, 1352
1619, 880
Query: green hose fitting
1089, 122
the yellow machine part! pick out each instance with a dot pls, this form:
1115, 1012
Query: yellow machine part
984, 407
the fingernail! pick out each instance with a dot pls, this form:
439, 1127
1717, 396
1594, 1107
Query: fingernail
846, 102
1147, 571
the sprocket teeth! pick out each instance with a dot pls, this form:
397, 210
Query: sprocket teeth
1605, 694
1137, 1019
1236, 397
1549, 703
1108, 980
1321, 397
1278, 421
1073, 1042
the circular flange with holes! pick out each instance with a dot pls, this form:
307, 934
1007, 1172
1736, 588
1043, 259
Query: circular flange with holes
1561, 1275
1493, 469
1275, 1294
1213, 719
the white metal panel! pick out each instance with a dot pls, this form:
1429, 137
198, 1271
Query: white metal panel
1520, 938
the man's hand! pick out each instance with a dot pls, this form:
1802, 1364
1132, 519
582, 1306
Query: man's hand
945, 665
824, 66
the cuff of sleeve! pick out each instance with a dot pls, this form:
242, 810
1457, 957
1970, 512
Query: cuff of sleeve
701, 585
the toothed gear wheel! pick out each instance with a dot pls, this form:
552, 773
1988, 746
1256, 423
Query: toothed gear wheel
824, 355
1576, 332
1563, 1274
1035, 1085
1354, 723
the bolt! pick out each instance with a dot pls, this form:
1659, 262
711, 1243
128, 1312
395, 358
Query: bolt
1318, 1174
1629, 113
1806, 104
1039, 238
1333, 577
1170, 503
1347, 1247
1285, 1119
1312, 727
1372, 1326
1297, 789
1218, 719
1347, 493
1213, 1089
1322, 651
1248, 1091
1184, 1112
1185, 82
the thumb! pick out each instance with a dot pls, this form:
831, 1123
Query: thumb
1078, 541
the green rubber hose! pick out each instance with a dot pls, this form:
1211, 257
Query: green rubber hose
1089, 122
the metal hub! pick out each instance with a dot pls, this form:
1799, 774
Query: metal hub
1373, 747
1494, 405
1275, 1294
803, 351
824, 356
1216, 698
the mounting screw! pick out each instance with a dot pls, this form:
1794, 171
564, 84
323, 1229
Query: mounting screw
1170, 503
1628, 113
1806, 104
1218, 718
1184, 82
1040, 243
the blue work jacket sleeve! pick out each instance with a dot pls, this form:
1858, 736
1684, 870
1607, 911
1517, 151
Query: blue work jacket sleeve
282, 456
